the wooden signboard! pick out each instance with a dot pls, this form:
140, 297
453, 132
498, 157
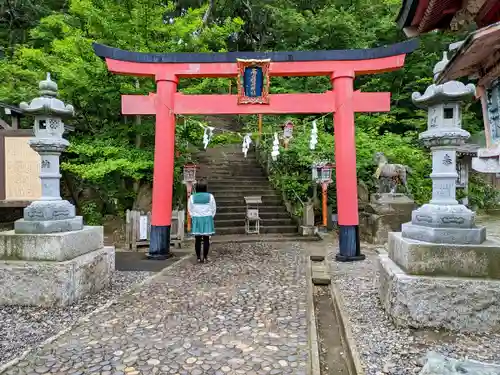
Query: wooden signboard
19, 169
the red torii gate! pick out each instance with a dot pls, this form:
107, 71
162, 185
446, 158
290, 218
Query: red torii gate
341, 65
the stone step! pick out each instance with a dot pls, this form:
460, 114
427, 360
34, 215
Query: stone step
226, 162
273, 200
237, 183
320, 273
232, 174
241, 215
234, 180
222, 209
245, 193
229, 173
232, 186
263, 223
232, 165
263, 229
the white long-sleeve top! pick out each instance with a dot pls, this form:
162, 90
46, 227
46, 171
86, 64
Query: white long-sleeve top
200, 210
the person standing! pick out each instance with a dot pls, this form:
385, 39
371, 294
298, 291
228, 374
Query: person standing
202, 209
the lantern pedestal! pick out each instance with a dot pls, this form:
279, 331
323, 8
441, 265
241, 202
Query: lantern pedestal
385, 213
441, 286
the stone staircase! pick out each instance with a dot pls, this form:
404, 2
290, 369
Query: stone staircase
230, 178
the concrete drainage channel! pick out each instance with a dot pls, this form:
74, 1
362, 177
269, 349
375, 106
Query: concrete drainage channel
333, 352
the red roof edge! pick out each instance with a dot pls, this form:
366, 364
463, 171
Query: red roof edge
439, 14
488, 14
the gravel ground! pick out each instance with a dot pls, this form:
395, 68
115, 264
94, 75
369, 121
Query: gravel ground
385, 348
22, 327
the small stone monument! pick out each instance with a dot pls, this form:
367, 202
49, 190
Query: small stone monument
387, 210
436, 363
440, 271
50, 253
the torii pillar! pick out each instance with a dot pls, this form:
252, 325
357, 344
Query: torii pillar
343, 101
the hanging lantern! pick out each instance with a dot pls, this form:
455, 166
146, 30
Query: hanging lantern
288, 130
322, 172
325, 175
189, 173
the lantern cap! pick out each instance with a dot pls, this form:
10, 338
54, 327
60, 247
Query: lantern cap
47, 103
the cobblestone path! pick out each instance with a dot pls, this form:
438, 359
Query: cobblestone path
244, 312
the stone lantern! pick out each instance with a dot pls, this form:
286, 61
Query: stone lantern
51, 258
440, 271
443, 219
50, 213
287, 132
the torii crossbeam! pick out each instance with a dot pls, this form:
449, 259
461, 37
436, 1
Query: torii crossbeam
342, 66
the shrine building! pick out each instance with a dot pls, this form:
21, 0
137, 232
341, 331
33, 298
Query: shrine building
477, 58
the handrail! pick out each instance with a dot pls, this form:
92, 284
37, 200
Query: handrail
300, 200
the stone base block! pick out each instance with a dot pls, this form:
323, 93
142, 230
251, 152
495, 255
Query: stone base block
23, 226
34, 283
457, 304
375, 228
43, 210
52, 246
320, 273
390, 202
432, 259
447, 216
384, 214
476, 235
307, 231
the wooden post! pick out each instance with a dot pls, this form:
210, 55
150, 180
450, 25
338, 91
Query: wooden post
188, 217
230, 86
260, 126
324, 187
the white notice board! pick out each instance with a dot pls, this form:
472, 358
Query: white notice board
143, 227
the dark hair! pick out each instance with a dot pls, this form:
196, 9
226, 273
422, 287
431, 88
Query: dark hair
201, 187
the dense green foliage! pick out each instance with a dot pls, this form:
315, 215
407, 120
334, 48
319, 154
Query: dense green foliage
111, 156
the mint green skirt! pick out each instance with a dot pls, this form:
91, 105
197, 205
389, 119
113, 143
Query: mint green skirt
202, 226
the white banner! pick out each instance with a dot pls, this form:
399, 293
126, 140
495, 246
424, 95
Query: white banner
143, 228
